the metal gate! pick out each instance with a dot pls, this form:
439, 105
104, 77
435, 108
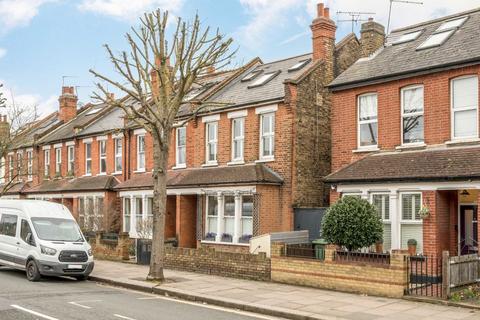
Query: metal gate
425, 276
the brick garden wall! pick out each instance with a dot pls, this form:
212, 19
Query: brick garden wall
111, 249
381, 280
209, 261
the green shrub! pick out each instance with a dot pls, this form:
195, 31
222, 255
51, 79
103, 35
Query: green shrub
353, 223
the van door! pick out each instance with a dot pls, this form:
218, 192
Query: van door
27, 241
9, 237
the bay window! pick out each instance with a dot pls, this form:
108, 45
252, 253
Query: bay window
238, 137
412, 115
267, 135
118, 154
140, 152
102, 149
411, 222
126, 214
382, 203
229, 219
212, 216
246, 220
211, 146
367, 121
140, 227
464, 100
88, 158
181, 147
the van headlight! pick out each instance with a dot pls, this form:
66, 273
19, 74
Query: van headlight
90, 253
48, 251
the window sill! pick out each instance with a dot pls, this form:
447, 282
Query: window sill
412, 146
180, 166
212, 164
116, 173
139, 171
87, 175
235, 163
265, 160
462, 141
371, 149
102, 174
225, 243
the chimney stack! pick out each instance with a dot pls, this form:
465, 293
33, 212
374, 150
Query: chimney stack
372, 37
4, 129
323, 36
67, 104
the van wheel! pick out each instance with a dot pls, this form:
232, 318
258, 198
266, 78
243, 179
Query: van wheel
81, 278
32, 271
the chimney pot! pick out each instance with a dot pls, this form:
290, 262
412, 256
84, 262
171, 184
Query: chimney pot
320, 9
370, 19
326, 13
67, 90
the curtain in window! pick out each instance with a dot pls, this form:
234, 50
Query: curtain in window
465, 105
368, 107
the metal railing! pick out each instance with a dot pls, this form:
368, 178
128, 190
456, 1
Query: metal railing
425, 276
304, 250
362, 257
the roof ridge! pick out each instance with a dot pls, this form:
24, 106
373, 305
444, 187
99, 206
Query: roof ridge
428, 22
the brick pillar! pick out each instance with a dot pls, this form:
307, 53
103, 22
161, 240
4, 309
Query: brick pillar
186, 208
430, 224
334, 196
277, 249
330, 252
123, 244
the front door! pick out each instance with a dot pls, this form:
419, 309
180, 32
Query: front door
468, 229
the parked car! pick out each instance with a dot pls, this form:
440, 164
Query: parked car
43, 239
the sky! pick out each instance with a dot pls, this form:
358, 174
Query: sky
45, 44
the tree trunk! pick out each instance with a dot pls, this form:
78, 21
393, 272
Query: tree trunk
160, 157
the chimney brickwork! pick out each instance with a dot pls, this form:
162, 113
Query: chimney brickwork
67, 104
372, 37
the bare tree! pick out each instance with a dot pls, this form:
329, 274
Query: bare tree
18, 120
159, 74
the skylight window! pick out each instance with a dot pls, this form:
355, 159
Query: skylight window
93, 111
251, 75
452, 24
264, 78
407, 37
299, 65
436, 39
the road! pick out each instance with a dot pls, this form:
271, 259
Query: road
64, 298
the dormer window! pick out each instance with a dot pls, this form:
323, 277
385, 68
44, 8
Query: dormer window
299, 65
252, 75
407, 37
263, 79
452, 24
436, 39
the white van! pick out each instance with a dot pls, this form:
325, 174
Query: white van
43, 238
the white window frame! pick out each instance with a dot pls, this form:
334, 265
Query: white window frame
29, 165
360, 122
46, 163
19, 165
413, 220
207, 226
88, 160
452, 111
240, 139
125, 217
389, 213
178, 164
405, 115
58, 161
118, 155
141, 153
102, 156
211, 142
270, 134
70, 159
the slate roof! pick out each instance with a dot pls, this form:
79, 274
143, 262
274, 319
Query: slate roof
427, 165
399, 60
111, 120
75, 184
238, 92
69, 130
29, 136
246, 174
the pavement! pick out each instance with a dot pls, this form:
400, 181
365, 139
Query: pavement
274, 299
67, 299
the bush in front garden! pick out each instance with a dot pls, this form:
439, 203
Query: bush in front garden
352, 223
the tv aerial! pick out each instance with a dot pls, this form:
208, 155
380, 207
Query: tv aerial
355, 17
399, 1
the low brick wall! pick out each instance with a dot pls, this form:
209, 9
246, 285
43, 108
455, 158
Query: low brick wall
388, 280
210, 261
225, 247
115, 250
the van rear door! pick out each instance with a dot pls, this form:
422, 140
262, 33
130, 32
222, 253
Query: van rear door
9, 241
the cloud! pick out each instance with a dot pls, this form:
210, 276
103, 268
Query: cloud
44, 106
3, 52
127, 9
18, 13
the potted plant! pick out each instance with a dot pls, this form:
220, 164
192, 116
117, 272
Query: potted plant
379, 246
245, 238
424, 212
227, 237
412, 247
210, 236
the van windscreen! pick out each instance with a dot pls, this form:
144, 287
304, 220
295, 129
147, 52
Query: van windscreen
55, 229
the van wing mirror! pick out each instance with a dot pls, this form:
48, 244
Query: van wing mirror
29, 239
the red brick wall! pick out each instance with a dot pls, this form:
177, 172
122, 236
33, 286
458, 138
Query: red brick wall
186, 220
436, 113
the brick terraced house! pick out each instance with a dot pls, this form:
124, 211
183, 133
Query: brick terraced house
239, 169
405, 134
